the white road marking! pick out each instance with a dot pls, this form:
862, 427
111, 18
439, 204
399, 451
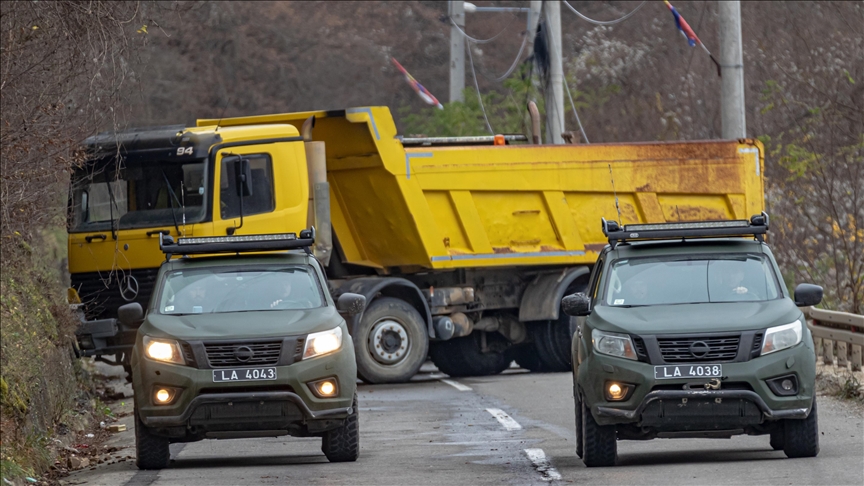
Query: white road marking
455, 384
506, 420
542, 465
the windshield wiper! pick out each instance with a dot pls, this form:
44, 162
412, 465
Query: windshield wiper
111, 204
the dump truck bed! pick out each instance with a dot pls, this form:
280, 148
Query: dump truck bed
439, 207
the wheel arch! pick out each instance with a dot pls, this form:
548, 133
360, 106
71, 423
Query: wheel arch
395, 287
542, 298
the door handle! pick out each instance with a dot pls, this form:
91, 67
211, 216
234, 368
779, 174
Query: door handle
156, 232
90, 238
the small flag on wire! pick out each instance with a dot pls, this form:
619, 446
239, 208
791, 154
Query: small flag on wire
689, 34
418, 88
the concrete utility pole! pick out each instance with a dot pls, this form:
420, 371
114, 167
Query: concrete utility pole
732, 115
456, 10
533, 19
554, 87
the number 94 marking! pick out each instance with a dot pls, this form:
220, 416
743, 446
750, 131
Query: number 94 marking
185, 150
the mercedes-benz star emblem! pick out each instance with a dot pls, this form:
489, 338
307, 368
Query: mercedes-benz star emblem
128, 288
243, 353
699, 349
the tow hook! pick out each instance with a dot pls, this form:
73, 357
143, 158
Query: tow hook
714, 384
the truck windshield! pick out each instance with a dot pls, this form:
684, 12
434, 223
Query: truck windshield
218, 290
139, 194
690, 280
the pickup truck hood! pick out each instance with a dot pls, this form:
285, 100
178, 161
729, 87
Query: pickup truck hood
694, 318
241, 325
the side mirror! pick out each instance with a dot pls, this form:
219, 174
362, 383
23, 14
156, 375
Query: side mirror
577, 304
131, 315
351, 304
243, 177
807, 295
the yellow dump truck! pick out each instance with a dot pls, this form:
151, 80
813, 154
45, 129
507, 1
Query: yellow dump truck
463, 247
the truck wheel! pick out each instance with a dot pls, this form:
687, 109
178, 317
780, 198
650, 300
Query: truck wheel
151, 451
577, 409
777, 438
391, 342
599, 442
553, 341
801, 436
343, 444
528, 357
463, 356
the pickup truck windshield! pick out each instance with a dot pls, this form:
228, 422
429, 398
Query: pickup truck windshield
690, 280
217, 290
138, 195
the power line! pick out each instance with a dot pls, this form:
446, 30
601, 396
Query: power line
481, 41
477, 87
604, 22
573, 105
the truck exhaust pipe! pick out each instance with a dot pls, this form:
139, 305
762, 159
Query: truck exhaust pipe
535, 123
319, 194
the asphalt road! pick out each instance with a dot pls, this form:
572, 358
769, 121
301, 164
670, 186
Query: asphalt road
515, 428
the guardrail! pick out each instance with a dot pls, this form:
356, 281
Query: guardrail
836, 333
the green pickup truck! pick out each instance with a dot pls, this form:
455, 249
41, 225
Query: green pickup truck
686, 330
241, 339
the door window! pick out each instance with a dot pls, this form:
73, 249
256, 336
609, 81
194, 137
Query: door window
260, 200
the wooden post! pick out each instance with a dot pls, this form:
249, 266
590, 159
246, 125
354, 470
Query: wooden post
841, 353
827, 351
817, 345
856, 358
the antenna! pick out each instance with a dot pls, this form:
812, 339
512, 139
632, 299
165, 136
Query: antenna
222, 115
615, 194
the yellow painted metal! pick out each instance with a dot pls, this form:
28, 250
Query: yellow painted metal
408, 209
452, 207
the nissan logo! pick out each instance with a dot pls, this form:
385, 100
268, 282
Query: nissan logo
128, 288
243, 353
699, 349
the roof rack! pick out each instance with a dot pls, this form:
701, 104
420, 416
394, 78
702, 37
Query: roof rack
756, 227
235, 244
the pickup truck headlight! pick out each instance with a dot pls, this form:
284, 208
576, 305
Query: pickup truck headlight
782, 337
613, 344
321, 343
166, 350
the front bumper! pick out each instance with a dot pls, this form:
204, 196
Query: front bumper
273, 404
743, 391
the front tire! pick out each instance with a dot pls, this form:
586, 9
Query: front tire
343, 444
391, 342
777, 438
151, 451
801, 437
464, 357
600, 446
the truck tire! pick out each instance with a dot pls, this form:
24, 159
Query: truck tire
151, 451
463, 357
600, 446
391, 342
777, 438
577, 410
527, 356
343, 444
801, 436
553, 340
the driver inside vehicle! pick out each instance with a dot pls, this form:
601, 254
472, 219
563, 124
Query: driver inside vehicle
191, 299
637, 292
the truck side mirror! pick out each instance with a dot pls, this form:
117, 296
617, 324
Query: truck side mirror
807, 295
351, 304
131, 315
577, 304
243, 177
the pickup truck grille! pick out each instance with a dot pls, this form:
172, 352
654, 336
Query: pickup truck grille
223, 355
100, 292
677, 350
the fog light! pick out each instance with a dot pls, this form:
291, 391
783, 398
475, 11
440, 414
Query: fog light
784, 386
787, 384
164, 395
616, 391
325, 388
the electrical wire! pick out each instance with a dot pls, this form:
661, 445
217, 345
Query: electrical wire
573, 105
604, 22
512, 66
477, 87
481, 41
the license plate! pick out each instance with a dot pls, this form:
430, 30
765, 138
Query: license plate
244, 374
688, 371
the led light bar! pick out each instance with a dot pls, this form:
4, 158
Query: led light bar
237, 239
737, 223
